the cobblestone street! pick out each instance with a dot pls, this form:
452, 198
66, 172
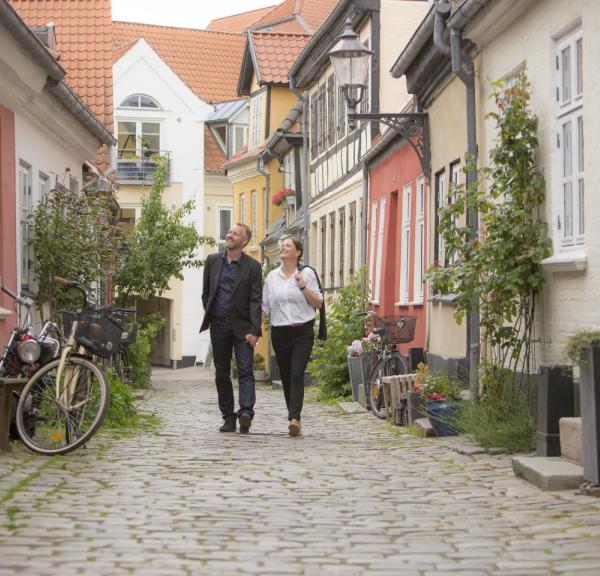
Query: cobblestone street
349, 497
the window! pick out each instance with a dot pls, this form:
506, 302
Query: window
342, 111
257, 115
289, 170
341, 243
419, 241
323, 247
372, 244
243, 208
332, 249
26, 207
220, 134
331, 111
140, 101
313, 126
254, 221
224, 214
352, 244
440, 193
240, 137
405, 243
44, 187
380, 232
454, 175
569, 139
322, 119
138, 138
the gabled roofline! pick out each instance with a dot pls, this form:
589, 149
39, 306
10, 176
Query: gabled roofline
249, 65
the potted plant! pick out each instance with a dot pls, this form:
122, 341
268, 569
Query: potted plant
360, 353
280, 197
442, 397
258, 365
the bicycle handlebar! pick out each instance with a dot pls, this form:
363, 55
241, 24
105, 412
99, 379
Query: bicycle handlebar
27, 302
71, 284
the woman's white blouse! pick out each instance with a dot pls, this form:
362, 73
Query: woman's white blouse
284, 302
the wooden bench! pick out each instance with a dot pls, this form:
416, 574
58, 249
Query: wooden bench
8, 385
398, 390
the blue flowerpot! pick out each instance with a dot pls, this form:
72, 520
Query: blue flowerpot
441, 415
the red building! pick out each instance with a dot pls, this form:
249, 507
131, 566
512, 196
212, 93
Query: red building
396, 232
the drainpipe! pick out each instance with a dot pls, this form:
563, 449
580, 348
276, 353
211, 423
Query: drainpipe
462, 66
304, 179
264, 173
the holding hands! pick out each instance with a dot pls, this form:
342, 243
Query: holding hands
251, 340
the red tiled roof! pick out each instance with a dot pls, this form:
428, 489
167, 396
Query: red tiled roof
208, 62
213, 154
238, 23
83, 36
275, 54
312, 12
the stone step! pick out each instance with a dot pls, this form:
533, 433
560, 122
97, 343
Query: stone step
571, 443
548, 473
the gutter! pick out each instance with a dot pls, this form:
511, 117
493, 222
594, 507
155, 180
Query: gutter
465, 12
264, 173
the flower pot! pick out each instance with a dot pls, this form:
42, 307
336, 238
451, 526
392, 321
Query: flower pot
359, 368
441, 416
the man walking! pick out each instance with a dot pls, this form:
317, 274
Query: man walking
232, 295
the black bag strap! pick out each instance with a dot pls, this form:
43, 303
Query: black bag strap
322, 318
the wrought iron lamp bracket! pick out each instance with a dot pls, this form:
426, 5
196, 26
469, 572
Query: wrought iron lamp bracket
413, 127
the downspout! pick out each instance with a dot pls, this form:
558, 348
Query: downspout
304, 172
364, 217
462, 66
264, 173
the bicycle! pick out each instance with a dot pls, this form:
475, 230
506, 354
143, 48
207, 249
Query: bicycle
68, 398
119, 360
391, 330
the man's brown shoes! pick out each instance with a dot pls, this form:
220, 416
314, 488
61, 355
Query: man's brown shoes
295, 429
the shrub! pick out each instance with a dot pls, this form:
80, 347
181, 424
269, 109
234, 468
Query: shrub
121, 411
258, 361
141, 350
329, 364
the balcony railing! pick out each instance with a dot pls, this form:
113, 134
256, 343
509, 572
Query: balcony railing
139, 170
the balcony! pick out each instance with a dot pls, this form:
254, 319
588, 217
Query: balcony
136, 170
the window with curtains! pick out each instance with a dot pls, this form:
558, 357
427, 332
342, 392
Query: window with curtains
352, 235
379, 240
405, 243
342, 244
419, 253
569, 139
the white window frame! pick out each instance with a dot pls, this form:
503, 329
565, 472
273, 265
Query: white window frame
289, 171
254, 216
43, 186
440, 191
406, 230
138, 133
379, 261
419, 253
223, 208
25, 209
372, 246
257, 106
243, 208
569, 166
235, 143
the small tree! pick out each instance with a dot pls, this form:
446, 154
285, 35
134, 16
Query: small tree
160, 246
72, 237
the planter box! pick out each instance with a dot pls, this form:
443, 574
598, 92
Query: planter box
359, 368
440, 414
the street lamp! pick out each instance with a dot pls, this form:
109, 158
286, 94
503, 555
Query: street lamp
350, 60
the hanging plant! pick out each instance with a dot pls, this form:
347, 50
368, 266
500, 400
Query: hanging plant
279, 198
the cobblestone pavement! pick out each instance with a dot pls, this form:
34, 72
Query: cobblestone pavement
350, 497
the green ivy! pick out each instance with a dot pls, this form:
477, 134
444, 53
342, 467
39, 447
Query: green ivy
141, 350
578, 343
329, 364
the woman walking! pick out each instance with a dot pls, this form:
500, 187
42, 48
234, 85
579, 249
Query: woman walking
290, 298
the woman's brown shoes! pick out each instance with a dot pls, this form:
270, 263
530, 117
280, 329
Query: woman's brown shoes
295, 429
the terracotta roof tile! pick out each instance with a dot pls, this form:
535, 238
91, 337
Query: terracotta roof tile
238, 23
275, 54
84, 43
312, 12
208, 62
213, 154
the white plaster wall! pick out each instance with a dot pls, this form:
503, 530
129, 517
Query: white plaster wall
182, 134
569, 299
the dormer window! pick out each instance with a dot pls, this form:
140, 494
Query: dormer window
140, 101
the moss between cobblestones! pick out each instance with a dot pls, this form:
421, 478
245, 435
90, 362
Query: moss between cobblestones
22, 484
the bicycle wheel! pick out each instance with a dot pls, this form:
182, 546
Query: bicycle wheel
124, 368
56, 418
386, 366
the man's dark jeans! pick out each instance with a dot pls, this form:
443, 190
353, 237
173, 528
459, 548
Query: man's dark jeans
224, 343
293, 345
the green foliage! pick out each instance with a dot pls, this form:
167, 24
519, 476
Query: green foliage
141, 350
121, 411
500, 270
329, 364
258, 361
437, 385
160, 246
578, 343
73, 237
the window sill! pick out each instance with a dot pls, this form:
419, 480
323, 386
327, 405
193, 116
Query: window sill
403, 303
4, 313
448, 299
573, 261
416, 303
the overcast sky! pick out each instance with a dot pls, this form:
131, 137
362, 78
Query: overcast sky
184, 13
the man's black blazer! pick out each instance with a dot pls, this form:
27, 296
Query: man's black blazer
245, 314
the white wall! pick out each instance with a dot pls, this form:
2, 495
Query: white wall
141, 71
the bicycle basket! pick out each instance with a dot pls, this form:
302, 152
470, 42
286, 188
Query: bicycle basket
97, 332
126, 319
396, 329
